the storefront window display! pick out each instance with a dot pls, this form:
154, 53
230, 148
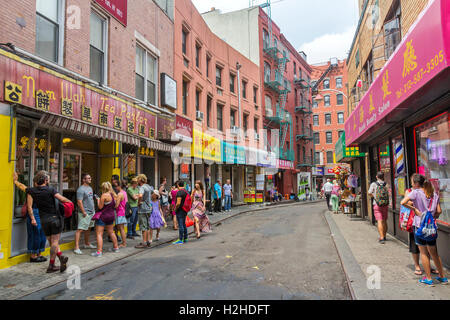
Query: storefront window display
129, 164
385, 167
23, 160
399, 168
432, 153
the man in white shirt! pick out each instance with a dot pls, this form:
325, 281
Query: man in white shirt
327, 188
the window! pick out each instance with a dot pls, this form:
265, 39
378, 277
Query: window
219, 117
326, 99
304, 154
184, 36
296, 97
329, 137
392, 31
340, 99
244, 89
326, 84
266, 40
266, 72
433, 152
98, 48
245, 124
375, 12
357, 58
300, 73
340, 117
338, 82
232, 80
197, 55
146, 76
315, 105
340, 133
208, 62
295, 68
330, 157
218, 76
316, 138
268, 105
185, 96
233, 118
298, 153
49, 30
327, 118
255, 95
197, 100
368, 70
208, 110
317, 157
316, 119
255, 124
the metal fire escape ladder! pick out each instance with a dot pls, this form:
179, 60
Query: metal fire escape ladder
322, 77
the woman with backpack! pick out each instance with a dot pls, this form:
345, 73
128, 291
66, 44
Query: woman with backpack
105, 217
425, 200
379, 191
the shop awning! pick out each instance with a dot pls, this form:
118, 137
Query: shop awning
415, 75
344, 153
92, 130
87, 129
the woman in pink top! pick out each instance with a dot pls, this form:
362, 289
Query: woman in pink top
121, 220
173, 194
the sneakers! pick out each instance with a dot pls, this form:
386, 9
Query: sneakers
97, 254
426, 281
178, 242
442, 280
77, 251
115, 250
90, 246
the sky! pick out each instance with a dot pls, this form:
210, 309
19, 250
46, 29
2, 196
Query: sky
321, 28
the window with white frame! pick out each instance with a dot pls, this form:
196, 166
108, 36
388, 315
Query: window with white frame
329, 137
146, 76
326, 84
338, 82
266, 40
98, 48
326, 100
330, 158
266, 72
50, 29
339, 99
327, 118
316, 119
340, 117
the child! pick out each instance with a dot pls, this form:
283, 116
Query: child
156, 220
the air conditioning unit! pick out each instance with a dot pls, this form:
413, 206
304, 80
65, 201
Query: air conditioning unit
235, 130
199, 115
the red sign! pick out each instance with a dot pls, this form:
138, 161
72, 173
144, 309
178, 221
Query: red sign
285, 164
117, 8
184, 127
22, 82
166, 125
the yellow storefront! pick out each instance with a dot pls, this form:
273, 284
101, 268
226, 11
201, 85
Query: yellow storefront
52, 122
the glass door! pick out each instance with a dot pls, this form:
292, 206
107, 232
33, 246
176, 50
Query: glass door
71, 180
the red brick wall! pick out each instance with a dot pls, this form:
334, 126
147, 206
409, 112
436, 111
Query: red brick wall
221, 53
333, 109
143, 16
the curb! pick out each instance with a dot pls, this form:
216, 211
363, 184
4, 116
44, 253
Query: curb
356, 279
138, 251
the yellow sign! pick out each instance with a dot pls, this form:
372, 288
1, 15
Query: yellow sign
13, 92
42, 101
206, 147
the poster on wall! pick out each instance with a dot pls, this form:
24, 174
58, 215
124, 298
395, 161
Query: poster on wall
304, 185
260, 178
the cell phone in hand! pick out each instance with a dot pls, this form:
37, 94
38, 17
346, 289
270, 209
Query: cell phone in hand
96, 196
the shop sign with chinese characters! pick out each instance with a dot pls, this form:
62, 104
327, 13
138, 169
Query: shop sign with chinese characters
117, 8
26, 83
421, 56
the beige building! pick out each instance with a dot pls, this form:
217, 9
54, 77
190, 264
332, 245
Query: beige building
381, 27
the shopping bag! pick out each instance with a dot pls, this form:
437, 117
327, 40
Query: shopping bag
428, 228
189, 222
406, 219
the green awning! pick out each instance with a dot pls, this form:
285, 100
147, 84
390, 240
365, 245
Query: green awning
345, 153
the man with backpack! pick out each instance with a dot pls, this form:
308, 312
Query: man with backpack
379, 191
182, 207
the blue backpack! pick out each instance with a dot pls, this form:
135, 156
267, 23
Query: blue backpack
428, 228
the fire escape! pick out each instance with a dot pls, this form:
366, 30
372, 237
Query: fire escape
281, 87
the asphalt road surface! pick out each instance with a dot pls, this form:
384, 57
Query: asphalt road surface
279, 254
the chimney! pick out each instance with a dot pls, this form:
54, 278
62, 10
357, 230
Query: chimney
213, 8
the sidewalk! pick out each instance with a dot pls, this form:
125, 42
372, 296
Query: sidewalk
356, 242
26, 278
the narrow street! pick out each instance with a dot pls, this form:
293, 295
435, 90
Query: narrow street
281, 253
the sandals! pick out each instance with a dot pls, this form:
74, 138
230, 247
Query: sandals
419, 272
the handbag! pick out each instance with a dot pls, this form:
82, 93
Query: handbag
189, 222
406, 219
128, 211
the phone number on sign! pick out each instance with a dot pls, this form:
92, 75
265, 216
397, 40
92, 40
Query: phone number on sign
418, 77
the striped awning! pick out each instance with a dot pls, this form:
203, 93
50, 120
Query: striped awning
87, 129
158, 145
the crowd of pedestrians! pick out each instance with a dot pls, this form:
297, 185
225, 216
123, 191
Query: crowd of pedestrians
120, 205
